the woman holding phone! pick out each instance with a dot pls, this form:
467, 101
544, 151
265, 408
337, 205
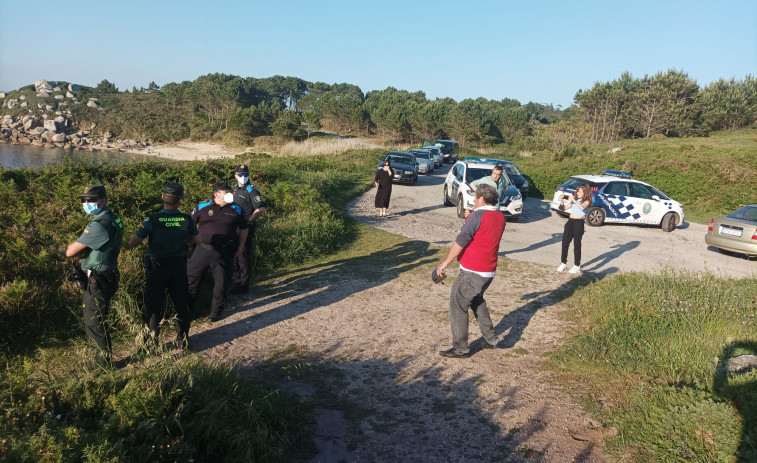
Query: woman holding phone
383, 182
579, 202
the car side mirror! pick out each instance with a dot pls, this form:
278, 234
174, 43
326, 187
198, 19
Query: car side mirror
655, 197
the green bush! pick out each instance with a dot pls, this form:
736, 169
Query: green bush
44, 213
169, 410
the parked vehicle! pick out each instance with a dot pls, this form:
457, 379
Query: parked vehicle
404, 165
436, 152
449, 148
616, 198
457, 190
425, 160
516, 178
736, 232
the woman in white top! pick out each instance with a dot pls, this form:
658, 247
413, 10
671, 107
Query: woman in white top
574, 227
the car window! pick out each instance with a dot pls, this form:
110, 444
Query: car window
744, 213
476, 173
616, 188
422, 154
573, 183
657, 192
640, 191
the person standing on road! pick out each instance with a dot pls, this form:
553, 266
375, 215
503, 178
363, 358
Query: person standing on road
224, 230
383, 182
166, 263
248, 198
579, 202
99, 247
496, 180
476, 248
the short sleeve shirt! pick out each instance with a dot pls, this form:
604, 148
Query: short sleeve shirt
218, 225
488, 180
248, 198
103, 236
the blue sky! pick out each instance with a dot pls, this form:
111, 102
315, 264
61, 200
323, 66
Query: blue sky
541, 51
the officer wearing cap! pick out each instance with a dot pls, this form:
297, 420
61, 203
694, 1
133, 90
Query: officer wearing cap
165, 264
224, 230
248, 198
99, 247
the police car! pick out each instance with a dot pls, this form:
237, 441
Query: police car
616, 198
457, 190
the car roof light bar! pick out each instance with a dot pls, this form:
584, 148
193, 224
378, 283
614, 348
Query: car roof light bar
617, 173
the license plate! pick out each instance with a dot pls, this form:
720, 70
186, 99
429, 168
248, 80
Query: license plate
730, 231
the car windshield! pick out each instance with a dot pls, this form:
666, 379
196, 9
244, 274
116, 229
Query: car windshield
658, 192
745, 213
422, 154
474, 173
396, 158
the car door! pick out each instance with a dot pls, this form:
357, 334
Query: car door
615, 199
647, 209
457, 178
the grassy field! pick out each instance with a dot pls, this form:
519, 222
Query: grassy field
711, 176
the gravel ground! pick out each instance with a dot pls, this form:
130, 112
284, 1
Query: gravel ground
380, 338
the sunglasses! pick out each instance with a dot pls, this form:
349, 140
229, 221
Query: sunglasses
89, 200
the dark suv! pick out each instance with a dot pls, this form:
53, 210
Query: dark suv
450, 149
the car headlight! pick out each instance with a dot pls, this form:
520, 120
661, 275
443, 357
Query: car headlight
517, 197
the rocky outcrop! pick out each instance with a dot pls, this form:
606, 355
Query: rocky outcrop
56, 130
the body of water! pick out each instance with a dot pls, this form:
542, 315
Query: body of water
12, 156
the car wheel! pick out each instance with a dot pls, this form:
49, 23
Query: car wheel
669, 221
595, 217
446, 202
460, 207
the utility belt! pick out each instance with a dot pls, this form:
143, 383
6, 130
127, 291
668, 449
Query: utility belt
220, 243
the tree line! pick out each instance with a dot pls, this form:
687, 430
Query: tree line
221, 106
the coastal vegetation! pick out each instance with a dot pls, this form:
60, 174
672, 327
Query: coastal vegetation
236, 109
645, 350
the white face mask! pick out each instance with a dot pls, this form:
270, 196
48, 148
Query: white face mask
228, 198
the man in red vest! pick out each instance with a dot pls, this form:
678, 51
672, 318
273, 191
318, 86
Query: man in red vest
476, 249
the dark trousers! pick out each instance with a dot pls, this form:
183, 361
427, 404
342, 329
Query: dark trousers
96, 303
241, 275
468, 292
171, 275
220, 263
574, 231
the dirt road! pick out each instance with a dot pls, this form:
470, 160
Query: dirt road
364, 349
417, 212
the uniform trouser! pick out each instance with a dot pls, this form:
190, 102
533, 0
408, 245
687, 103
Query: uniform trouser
96, 303
574, 231
468, 291
241, 275
170, 275
220, 263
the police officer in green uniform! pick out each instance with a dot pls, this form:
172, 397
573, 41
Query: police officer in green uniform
98, 247
169, 231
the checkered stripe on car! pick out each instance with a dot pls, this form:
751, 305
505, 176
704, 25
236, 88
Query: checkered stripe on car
620, 207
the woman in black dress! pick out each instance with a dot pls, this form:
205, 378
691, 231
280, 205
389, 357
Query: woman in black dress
384, 183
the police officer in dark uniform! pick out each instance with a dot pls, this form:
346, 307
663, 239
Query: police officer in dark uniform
248, 198
224, 230
166, 262
99, 247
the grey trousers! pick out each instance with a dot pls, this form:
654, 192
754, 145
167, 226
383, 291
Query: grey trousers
468, 291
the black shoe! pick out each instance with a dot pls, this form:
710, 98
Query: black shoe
214, 318
452, 353
486, 345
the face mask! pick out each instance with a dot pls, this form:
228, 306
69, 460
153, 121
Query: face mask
242, 179
228, 198
90, 208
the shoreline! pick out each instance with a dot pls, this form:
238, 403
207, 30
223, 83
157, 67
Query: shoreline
186, 151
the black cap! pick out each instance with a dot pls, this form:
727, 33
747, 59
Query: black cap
93, 191
242, 169
175, 189
221, 186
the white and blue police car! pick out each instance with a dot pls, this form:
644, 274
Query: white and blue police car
617, 198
